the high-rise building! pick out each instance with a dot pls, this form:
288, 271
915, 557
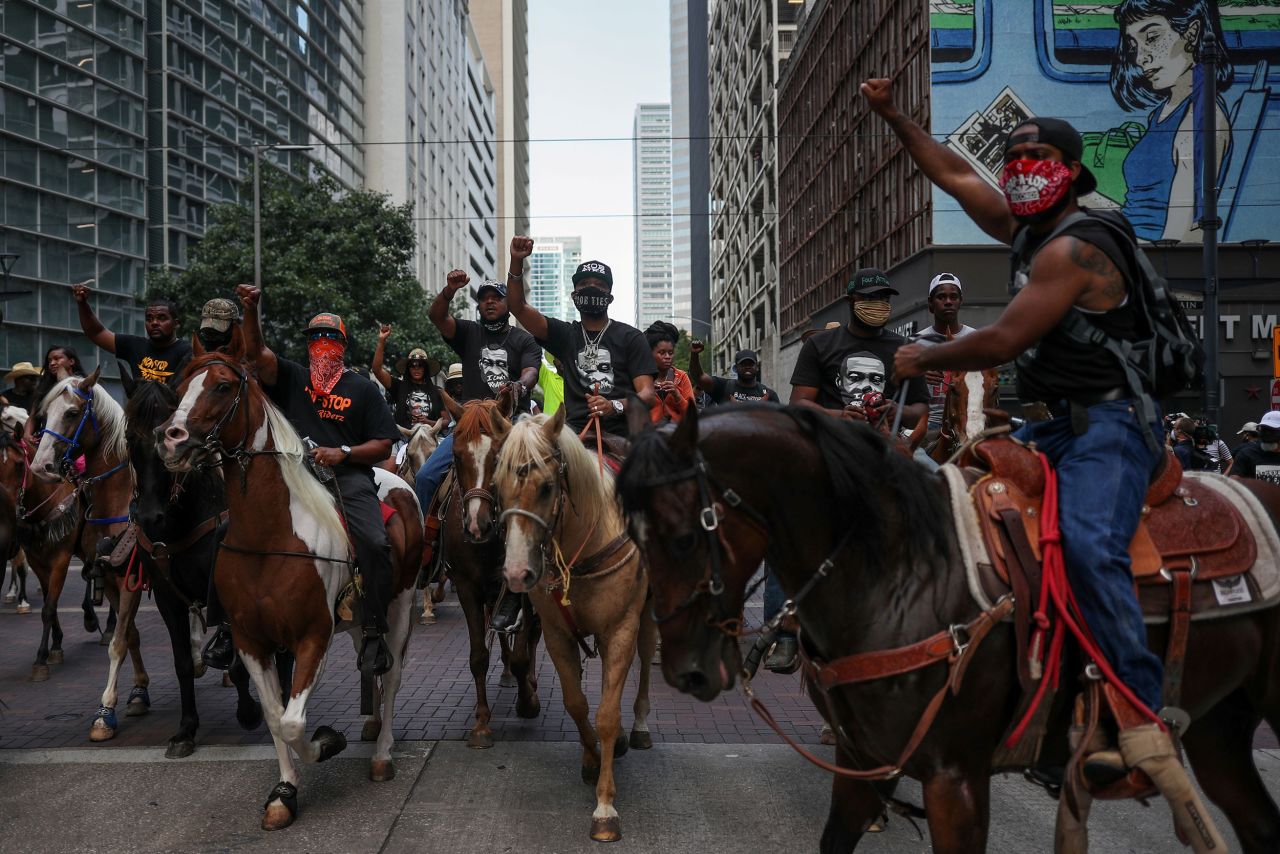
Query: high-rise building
124, 121
681, 225
549, 276
749, 42
427, 85
651, 205
502, 28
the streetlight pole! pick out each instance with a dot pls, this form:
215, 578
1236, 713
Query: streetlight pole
257, 203
1209, 222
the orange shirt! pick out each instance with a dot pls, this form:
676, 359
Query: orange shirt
673, 404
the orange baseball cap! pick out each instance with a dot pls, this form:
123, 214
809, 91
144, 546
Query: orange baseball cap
327, 322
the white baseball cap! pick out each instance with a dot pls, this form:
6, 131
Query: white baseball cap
944, 279
1249, 427
1271, 419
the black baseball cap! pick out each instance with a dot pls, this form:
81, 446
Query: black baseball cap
497, 287
594, 270
1062, 136
868, 281
745, 356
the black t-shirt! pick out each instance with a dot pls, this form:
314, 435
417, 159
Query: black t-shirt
352, 414
1252, 461
730, 391
408, 397
492, 358
619, 356
150, 362
843, 367
22, 401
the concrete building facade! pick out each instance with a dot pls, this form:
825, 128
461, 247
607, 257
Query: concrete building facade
681, 209
549, 275
651, 206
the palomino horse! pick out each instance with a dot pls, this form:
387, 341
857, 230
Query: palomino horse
969, 394
872, 532
285, 562
420, 441
82, 419
176, 518
474, 556
566, 545
12, 420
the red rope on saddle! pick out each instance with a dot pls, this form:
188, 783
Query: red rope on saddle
1058, 600
133, 582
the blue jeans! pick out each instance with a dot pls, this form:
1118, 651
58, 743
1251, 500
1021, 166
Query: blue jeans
773, 598
428, 478
1102, 480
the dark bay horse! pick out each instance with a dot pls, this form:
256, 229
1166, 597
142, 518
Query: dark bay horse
177, 517
284, 568
12, 469
473, 552
807, 488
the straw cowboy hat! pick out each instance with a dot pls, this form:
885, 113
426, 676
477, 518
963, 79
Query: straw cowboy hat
21, 369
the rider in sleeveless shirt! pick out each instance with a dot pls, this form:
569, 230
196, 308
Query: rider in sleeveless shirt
1092, 430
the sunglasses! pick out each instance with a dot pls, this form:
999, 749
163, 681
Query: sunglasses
331, 336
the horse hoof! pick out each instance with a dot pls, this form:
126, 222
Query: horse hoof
591, 774
10, 598
506, 680
199, 669
437, 595
277, 817
180, 749
104, 639
529, 710
55, 656
371, 730
101, 732
480, 740
23, 608
329, 741
40, 673
381, 770
427, 620
250, 718
641, 740
620, 746
606, 829
226, 680
139, 702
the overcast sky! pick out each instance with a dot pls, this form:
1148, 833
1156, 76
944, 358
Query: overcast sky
590, 63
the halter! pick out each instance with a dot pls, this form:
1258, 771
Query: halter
562, 498
213, 444
72, 442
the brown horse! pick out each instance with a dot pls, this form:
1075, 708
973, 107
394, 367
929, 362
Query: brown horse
831, 505
474, 556
566, 545
12, 468
82, 419
420, 441
969, 394
285, 562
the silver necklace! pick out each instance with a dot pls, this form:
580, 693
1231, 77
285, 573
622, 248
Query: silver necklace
591, 348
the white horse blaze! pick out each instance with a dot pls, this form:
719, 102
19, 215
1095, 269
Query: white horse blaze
975, 420
479, 453
516, 562
179, 420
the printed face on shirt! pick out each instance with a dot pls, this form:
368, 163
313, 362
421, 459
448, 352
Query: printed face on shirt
493, 367
418, 404
596, 370
861, 372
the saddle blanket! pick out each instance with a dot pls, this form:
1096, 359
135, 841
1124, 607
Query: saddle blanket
1253, 590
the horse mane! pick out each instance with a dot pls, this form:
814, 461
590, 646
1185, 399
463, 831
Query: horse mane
527, 444
302, 484
149, 405
476, 421
108, 413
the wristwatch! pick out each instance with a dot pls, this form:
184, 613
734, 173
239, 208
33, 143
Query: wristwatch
617, 406
346, 452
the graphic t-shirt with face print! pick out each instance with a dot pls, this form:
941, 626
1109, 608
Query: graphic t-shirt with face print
412, 401
1254, 461
843, 367
612, 363
491, 358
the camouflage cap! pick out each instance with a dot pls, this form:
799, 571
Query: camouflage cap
218, 314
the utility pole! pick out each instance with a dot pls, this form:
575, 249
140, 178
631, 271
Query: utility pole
1209, 222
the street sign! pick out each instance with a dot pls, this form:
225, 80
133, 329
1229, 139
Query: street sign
1190, 300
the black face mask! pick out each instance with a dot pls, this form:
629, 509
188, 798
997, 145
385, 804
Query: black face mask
499, 325
592, 301
212, 339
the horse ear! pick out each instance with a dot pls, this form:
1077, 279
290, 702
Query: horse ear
439, 427
451, 405
407, 433
126, 378
554, 425
91, 380
684, 441
236, 347
197, 346
637, 416
506, 402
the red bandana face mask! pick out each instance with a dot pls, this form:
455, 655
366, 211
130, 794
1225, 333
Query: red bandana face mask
1034, 187
326, 363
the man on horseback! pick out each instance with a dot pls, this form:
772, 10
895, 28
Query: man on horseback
1087, 418
604, 360
347, 418
158, 358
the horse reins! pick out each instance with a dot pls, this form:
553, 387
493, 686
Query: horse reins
67, 463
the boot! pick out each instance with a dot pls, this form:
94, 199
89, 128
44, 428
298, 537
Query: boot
508, 615
375, 656
785, 655
430, 539
219, 653
1150, 749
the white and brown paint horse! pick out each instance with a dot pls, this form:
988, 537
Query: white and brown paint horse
12, 421
421, 441
82, 419
567, 546
969, 394
284, 566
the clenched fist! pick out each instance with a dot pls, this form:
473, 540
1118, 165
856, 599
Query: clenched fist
384, 331
80, 293
521, 247
879, 95
696, 346
455, 281
249, 295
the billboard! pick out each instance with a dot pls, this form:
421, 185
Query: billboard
1125, 73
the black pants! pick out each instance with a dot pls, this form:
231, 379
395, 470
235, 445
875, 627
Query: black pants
369, 535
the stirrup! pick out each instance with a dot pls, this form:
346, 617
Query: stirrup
375, 656
504, 622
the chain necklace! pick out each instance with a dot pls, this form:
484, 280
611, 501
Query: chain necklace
591, 348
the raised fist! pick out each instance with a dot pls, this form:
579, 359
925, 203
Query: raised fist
879, 95
456, 280
696, 346
249, 295
384, 331
521, 247
80, 293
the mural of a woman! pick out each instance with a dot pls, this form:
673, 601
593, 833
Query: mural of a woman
1156, 66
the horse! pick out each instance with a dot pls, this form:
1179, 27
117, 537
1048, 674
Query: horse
474, 556
563, 529
420, 441
12, 466
176, 519
872, 535
969, 394
284, 565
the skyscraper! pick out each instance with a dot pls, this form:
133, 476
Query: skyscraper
502, 28
681, 266
550, 275
651, 178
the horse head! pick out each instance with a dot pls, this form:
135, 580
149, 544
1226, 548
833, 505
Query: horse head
150, 404
216, 399
80, 420
420, 442
477, 441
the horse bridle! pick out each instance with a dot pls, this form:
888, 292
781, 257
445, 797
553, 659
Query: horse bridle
68, 461
562, 498
212, 445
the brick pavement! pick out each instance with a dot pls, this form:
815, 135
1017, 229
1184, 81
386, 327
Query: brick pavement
435, 702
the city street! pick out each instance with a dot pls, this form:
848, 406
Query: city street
716, 779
